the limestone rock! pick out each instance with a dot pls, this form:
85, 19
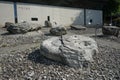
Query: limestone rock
110, 30
23, 27
78, 27
7, 24
57, 31
75, 50
48, 24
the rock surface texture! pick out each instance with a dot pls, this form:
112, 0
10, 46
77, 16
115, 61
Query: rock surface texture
110, 30
57, 31
76, 50
8, 24
23, 27
78, 27
48, 24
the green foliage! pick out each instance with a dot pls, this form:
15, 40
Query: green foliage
112, 7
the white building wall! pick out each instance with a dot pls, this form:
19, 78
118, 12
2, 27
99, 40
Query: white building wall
72, 16
96, 16
61, 15
6, 12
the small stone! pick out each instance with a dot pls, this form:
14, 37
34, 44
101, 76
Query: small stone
40, 78
0, 70
30, 67
44, 77
67, 75
31, 73
28, 78
11, 79
63, 79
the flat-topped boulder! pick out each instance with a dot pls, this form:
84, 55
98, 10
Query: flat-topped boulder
58, 30
75, 51
23, 27
78, 27
111, 30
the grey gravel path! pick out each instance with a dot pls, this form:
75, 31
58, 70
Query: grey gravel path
24, 62
18, 48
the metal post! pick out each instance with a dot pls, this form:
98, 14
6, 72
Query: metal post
96, 31
15, 12
62, 40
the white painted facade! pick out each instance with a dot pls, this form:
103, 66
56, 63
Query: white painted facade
6, 12
60, 15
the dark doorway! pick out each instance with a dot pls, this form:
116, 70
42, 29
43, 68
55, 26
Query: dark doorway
48, 18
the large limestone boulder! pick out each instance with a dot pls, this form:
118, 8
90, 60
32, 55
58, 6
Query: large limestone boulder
23, 27
75, 51
58, 30
111, 30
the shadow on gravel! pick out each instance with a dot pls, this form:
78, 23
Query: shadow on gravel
48, 34
6, 34
101, 36
108, 37
36, 57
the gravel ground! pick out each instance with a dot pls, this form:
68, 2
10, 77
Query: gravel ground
29, 64
109, 38
18, 39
